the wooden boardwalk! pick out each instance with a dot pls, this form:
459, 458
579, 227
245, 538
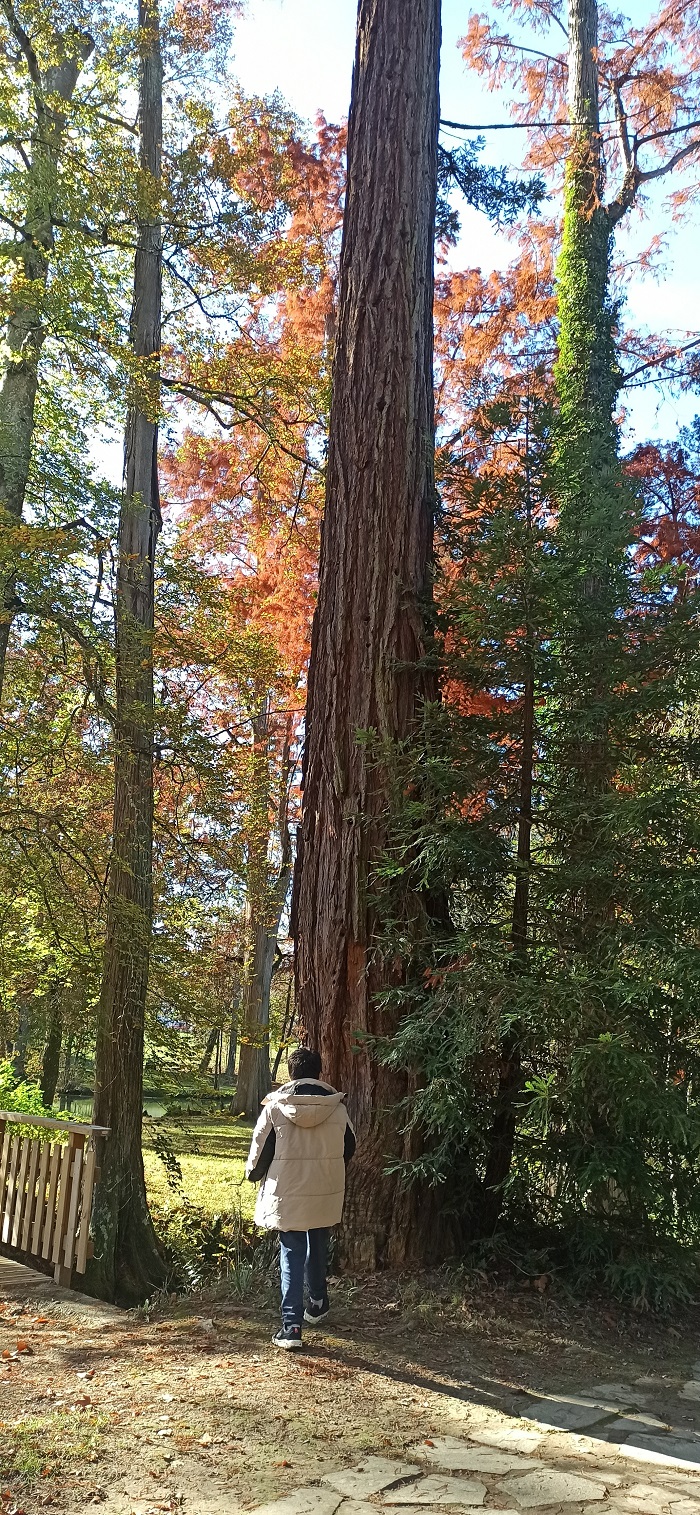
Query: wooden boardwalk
25, 1286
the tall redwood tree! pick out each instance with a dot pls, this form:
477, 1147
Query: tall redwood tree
368, 639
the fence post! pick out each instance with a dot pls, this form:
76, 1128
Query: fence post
70, 1180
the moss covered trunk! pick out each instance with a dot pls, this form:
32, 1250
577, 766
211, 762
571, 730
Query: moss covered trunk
593, 503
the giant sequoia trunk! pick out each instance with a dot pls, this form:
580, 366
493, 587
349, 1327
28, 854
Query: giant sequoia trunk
24, 333
368, 636
127, 1262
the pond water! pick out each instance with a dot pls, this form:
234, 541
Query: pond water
81, 1109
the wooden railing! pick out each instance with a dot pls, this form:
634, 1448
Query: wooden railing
46, 1189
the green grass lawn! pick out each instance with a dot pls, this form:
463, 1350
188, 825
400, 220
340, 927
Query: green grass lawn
211, 1151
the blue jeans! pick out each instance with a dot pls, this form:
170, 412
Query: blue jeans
302, 1253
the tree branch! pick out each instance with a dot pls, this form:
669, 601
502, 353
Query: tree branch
660, 359
94, 678
23, 42
665, 168
628, 155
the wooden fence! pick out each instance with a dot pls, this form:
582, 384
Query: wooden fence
46, 1189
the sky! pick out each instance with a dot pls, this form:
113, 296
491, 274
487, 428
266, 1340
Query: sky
305, 49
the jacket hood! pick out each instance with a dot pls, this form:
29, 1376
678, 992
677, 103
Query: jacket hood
305, 1109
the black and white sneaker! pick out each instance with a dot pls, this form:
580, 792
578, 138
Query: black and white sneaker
316, 1310
289, 1338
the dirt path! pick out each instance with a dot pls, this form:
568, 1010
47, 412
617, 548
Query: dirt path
193, 1409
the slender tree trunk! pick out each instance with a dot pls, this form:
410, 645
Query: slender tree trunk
594, 521
19, 1057
502, 1135
264, 906
368, 637
287, 1028
229, 1073
51, 1060
66, 1079
209, 1050
254, 1061
24, 333
127, 1262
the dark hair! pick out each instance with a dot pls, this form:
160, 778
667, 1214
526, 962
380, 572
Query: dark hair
304, 1063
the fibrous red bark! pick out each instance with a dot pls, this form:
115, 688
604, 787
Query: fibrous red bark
368, 648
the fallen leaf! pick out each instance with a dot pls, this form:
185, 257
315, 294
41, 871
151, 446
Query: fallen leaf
284, 1464
205, 1440
23, 1346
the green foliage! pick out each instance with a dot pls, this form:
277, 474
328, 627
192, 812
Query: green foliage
597, 1012
164, 1150
18, 1096
202, 1247
492, 190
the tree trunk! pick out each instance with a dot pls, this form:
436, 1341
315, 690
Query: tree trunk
502, 1135
594, 519
66, 1081
264, 905
127, 1262
51, 1060
209, 1050
368, 638
24, 334
229, 1073
287, 1028
21, 1045
585, 373
254, 1061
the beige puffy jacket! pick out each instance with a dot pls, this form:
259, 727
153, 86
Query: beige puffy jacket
308, 1136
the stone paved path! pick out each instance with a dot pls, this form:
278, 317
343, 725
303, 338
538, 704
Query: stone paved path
599, 1452
612, 1447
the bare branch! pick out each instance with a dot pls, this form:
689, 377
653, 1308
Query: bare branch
670, 131
660, 359
623, 131
665, 168
126, 126
213, 399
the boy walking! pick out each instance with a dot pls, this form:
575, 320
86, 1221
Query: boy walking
300, 1148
